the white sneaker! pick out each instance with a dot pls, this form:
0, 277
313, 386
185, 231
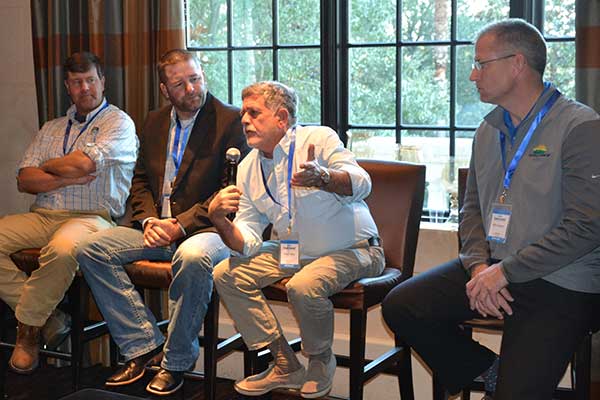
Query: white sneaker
319, 378
259, 384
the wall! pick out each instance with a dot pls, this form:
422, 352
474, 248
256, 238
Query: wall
18, 106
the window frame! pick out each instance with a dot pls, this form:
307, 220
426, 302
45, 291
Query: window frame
335, 49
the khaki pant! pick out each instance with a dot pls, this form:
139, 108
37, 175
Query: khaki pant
239, 281
57, 232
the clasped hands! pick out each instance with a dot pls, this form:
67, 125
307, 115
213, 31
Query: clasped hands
161, 232
487, 291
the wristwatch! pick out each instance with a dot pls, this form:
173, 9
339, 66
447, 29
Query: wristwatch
325, 176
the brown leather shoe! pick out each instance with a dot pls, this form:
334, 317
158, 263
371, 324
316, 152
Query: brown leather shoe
25, 356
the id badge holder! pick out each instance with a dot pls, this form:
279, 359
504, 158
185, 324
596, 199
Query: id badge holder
289, 251
499, 222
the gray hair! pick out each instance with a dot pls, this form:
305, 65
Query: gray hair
276, 95
520, 36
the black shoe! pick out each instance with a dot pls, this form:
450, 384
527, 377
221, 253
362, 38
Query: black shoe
165, 382
134, 369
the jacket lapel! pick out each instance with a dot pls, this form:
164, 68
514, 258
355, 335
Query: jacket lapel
162, 140
203, 126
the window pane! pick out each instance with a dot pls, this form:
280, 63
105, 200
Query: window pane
560, 68
372, 86
473, 15
301, 69
463, 142
377, 144
425, 85
372, 21
250, 66
252, 22
469, 109
426, 20
214, 64
559, 18
299, 22
207, 23
432, 149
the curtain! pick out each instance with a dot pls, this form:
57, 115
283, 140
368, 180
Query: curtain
587, 39
128, 35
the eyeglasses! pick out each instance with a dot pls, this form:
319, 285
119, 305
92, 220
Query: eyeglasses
478, 65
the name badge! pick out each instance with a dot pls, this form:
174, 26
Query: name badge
501, 214
289, 251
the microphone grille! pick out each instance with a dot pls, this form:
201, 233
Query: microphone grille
232, 155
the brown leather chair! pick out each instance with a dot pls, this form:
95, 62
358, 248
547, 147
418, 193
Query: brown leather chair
396, 202
144, 275
580, 362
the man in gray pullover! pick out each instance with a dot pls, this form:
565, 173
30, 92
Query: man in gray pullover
530, 232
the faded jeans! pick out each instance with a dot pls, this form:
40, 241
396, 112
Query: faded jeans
131, 324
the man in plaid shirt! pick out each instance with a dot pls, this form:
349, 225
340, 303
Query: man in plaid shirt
79, 167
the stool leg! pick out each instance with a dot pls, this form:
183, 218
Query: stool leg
78, 314
358, 330
211, 339
405, 378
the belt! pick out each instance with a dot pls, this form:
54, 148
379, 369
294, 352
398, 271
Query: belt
375, 241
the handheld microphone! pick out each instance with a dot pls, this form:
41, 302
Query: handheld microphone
232, 156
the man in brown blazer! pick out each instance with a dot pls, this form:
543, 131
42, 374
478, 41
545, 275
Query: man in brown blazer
181, 164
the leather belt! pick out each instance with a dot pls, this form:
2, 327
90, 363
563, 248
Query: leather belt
375, 241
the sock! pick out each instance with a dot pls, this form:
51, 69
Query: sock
491, 376
284, 357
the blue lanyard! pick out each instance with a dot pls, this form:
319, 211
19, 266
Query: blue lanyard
289, 177
68, 130
177, 152
509, 172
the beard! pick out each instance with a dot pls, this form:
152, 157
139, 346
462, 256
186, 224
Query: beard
190, 104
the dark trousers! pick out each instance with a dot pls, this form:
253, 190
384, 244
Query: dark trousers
547, 324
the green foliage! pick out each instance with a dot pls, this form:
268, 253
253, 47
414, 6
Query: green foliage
425, 69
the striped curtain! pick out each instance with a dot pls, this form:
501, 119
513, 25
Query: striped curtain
128, 35
587, 76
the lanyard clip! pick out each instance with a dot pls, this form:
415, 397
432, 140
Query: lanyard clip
503, 196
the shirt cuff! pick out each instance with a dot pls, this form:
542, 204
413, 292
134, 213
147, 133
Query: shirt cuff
92, 151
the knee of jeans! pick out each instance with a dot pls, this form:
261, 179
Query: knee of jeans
191, 260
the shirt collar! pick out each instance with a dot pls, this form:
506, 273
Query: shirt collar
496, 117
73, 110
284, 143
184, 125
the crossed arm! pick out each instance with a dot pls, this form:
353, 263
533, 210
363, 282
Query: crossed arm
73, 169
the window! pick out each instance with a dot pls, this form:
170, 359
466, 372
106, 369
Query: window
391, 76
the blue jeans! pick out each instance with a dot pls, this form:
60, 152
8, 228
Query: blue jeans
132, 325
